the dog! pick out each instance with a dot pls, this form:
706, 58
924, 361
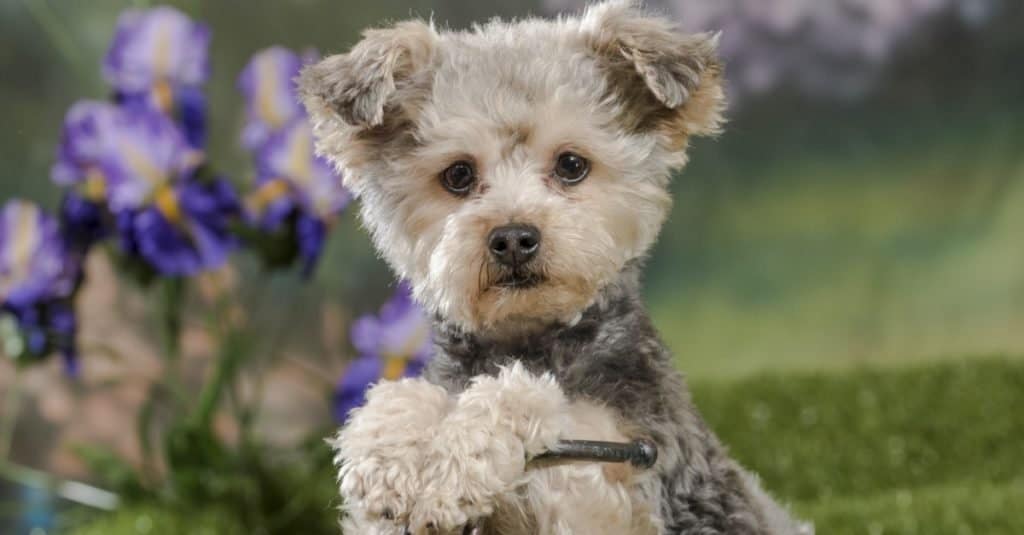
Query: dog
516, 175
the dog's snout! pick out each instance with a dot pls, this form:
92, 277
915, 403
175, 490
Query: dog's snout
515, 244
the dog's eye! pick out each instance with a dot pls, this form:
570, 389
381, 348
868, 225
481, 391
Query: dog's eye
571, 168
458, 178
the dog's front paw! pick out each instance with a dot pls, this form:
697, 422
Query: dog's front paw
479, 455
381, 450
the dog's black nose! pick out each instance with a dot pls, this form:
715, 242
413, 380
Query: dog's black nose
514, 245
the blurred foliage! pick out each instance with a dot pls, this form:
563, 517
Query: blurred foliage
244, 489
261, 489
851, 236
148, 520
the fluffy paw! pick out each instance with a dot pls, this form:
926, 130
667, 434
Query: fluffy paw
380, 451
479, 454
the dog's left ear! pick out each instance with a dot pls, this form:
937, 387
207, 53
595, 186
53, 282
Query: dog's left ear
666, 79
359, 86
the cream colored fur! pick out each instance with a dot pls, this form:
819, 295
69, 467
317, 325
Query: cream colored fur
414, 456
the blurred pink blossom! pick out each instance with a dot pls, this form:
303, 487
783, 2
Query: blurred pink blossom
833, 48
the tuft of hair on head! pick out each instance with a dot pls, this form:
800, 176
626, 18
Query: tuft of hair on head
665, 80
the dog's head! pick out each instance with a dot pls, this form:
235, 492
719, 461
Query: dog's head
510, 172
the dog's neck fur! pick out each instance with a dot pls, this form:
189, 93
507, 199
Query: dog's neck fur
609, 350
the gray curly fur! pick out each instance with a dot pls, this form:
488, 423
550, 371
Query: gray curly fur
613, 356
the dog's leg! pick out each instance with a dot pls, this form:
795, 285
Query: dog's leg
380, 453
478, 457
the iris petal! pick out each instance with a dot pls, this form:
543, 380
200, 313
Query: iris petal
34, 262
396, 343
288, 155
38, 275
195, 239
267, 84
351, 389
160, 44
122, 153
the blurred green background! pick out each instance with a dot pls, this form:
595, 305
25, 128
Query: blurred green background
842, 278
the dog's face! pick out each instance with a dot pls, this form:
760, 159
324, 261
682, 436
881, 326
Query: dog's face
510, 172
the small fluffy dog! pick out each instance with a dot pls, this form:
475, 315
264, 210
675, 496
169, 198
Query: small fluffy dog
516, 175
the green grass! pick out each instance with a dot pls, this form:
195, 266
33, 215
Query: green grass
962, 509
929, 450
933, 449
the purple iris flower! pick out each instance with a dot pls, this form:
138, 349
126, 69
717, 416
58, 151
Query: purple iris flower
81, 155
84, 142
157, 45
136, 164
297, 194
159, 58
186, 230
295, 186
393, 344
268, 85
37, 279
121, 154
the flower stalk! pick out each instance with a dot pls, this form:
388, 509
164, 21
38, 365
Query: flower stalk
172, 299
9, 420
227, 362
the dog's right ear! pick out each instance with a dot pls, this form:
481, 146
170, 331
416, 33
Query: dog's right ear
357, 86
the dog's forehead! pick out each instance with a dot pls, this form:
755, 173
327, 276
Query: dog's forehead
530, 61
507, 79
516, 41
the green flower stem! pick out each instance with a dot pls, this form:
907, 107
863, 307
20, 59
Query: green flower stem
171, 293
232, 353
172, 300
12, 408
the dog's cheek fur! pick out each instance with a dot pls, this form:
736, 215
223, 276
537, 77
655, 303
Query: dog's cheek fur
630, 209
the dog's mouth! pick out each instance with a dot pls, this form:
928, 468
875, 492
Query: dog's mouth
518, 280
